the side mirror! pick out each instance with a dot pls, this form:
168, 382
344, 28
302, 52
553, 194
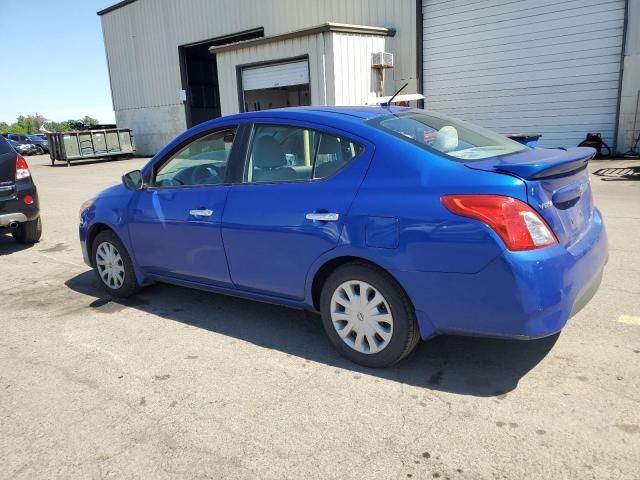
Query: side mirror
133, 180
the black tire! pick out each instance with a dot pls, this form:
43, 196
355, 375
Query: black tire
130, 284
39, 150
29, 232
405, 335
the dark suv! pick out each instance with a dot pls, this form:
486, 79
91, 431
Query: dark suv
19, 211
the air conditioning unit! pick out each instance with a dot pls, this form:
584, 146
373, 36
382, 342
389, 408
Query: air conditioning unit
382, 60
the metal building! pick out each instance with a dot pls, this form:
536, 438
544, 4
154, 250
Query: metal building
561, 68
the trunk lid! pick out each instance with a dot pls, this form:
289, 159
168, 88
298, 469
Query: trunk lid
558, 186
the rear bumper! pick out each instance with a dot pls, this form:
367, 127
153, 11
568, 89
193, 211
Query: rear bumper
7, 219
518, 295
13, 208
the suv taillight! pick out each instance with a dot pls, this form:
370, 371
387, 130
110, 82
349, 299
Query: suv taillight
22, 169
517, 224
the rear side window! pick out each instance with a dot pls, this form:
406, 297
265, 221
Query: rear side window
456, 139
282, 153
4, 146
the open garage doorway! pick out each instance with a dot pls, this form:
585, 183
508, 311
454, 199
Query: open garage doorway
199, 70
275, 85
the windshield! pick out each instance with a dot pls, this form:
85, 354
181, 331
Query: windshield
455, 138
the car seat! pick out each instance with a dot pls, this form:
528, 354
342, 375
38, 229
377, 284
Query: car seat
446, 139
269, 162
329, 146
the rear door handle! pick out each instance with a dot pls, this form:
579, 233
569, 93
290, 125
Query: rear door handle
323, 217
201, 213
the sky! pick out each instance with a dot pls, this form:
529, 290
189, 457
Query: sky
54, 61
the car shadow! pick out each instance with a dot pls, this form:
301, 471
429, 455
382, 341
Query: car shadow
8, 245
463, 365
79, 163
618, 173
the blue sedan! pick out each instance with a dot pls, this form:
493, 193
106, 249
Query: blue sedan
395, 224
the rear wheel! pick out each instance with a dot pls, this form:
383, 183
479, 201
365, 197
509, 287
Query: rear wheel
367, 316
29, 232
113, 265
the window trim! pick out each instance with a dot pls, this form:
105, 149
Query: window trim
182, 145
249, 144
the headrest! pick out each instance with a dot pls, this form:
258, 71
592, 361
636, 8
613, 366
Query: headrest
268, 153
446, 139
329, 145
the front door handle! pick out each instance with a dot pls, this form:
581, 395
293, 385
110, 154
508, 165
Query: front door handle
323, 217
201, 213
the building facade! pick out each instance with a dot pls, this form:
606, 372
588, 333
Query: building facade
561, 68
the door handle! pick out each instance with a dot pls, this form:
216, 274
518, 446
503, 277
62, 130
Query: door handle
201, 213
323, 217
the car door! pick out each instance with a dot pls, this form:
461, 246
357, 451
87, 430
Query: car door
174, 223
297, 186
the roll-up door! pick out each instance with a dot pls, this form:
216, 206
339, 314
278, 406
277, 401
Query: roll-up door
540, 66
275, 75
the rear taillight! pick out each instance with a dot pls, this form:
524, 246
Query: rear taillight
22, 169
517, 224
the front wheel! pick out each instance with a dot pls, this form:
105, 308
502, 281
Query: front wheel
367, 316
113, 265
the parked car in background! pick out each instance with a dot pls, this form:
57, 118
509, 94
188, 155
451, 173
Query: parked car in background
23, 148
19, 208
395, 224
42, 144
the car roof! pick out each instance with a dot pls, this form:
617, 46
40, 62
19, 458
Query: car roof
352, 114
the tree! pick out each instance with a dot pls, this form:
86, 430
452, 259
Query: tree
32, 124
87, 120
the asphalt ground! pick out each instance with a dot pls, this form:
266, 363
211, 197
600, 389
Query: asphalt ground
176, 383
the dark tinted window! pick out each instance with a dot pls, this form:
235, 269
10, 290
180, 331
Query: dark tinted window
4, 146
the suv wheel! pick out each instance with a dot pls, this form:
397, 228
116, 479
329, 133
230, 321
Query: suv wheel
113, 265
29, 232
367, 316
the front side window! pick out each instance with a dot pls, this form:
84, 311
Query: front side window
281, 153
202, 162
457, 139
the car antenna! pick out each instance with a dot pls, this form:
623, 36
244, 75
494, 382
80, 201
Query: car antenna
388, 103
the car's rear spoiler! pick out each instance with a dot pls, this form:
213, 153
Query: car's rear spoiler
539, 163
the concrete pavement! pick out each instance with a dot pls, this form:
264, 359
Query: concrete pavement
184, 384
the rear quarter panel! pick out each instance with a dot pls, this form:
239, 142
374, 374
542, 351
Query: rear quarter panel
403, 186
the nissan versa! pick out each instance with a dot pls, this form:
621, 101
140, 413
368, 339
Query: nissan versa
395, 224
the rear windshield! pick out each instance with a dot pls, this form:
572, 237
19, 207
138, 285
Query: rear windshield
456, 139
4, 146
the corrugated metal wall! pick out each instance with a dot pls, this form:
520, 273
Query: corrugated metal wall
545, 66
354, 79
142, 40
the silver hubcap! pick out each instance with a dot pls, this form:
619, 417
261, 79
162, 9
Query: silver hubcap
110, 265
361, 316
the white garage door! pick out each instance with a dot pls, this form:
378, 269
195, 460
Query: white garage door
276, 75
544, 66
